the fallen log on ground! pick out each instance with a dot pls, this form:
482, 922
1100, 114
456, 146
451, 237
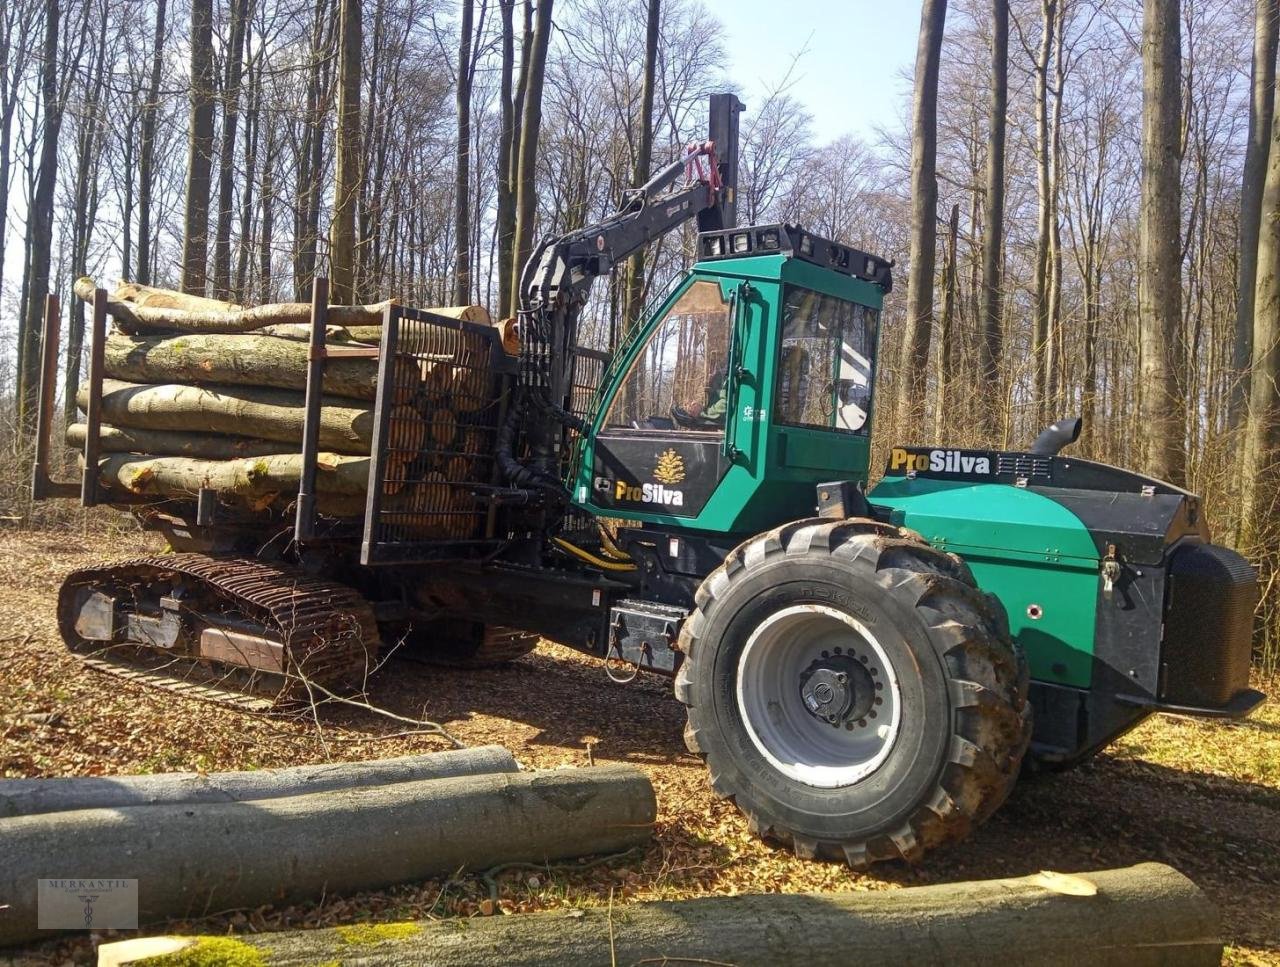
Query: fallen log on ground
1144, 914
172, 443
270, 414
30, 797
266, 476
141, 318
196, 857
244, 360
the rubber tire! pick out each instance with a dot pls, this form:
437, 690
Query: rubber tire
948, 770
468, 644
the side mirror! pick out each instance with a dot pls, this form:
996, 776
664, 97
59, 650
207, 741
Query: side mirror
1056, 436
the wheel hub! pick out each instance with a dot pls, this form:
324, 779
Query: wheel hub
837, 688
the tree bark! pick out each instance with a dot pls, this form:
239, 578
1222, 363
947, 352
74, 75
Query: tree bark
462, 160
146, 162
130, 316
1160, 404
1266, 18
947, 334
1259, 474
1141, 915
172, 443
241, 360
526, 180
227, 151
154, 298
195, 235
219, 855
633, 303
924, 213
991, 346
342, 237
345, 427
1040, 336
505, 218
85, 203
40, 225
251, 477
30, 797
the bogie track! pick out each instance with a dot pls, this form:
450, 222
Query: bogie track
247, 633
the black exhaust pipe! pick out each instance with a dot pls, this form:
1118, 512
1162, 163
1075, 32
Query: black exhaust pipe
1056, 436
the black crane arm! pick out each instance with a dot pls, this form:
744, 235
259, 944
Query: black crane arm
556, 282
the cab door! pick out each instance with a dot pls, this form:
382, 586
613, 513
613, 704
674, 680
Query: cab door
660, 450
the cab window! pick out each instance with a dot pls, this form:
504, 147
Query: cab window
825, 362
678, 380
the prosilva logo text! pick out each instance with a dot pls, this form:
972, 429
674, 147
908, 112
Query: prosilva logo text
938, 461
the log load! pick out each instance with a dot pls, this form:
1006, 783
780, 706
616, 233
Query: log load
30, 797
148, 295
172, 443
132, 317
265, 478
1147, 914
190, 858
270, 414
244, 360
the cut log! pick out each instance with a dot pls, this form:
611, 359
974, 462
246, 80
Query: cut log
29, 797
345, 427
261, 477
1147, 914
171, 443
244, 360
196, 857
156, 298
332, 334
136, 318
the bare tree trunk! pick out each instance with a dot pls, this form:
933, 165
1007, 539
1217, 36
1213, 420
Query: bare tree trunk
1258, 476
195, 237
342, 238
508, 111
462, 166
526, 179
947, 337
227, 152
634, 301
924, 213
1040, 337
1266, 16
146, 163
1159, 250
85, 201
991, 347
40, 223
311, 157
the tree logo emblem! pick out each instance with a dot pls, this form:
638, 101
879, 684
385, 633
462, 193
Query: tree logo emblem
670, 468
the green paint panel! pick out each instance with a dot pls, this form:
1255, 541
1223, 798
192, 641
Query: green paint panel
1029, 551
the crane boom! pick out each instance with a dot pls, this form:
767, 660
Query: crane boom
556, 282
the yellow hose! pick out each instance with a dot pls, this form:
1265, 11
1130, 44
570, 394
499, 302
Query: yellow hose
610, 548
590, 558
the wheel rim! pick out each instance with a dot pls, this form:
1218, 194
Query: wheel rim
791, 665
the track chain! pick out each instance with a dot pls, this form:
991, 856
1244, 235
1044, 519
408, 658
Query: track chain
329, 632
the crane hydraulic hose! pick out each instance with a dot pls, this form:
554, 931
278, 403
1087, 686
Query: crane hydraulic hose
588, 557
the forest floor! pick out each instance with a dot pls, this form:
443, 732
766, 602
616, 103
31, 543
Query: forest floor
1202, 796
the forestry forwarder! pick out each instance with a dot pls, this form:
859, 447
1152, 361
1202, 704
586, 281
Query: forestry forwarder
862, 672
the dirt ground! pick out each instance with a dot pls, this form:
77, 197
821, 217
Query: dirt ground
1202, 796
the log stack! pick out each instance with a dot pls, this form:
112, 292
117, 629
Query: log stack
205, 394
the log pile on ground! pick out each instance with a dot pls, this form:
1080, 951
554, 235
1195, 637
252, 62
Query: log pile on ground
1145, 914
215, 850
202, 393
